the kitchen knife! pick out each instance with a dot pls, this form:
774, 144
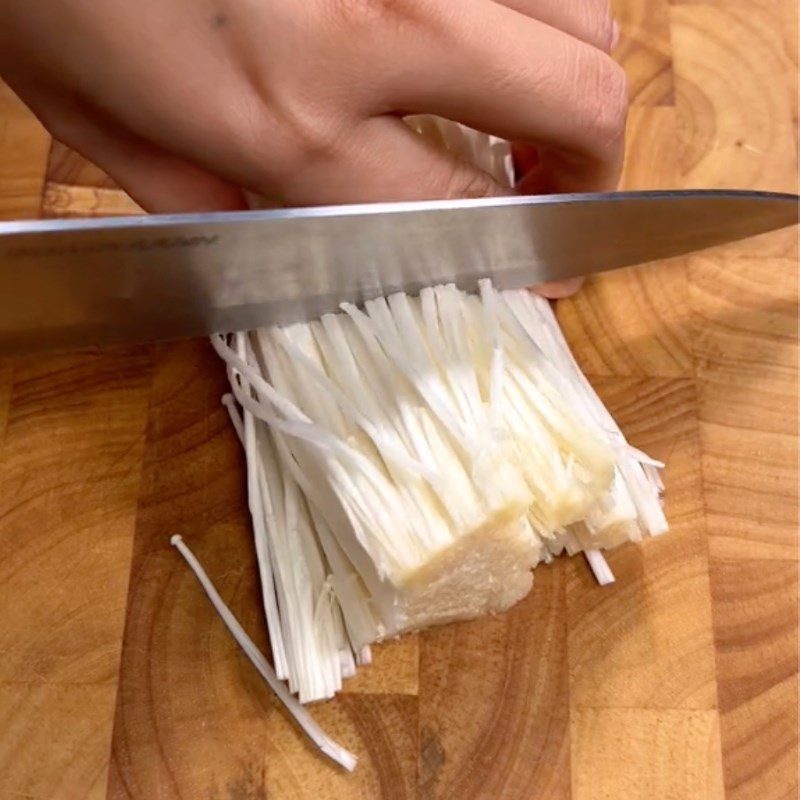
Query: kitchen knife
96, 281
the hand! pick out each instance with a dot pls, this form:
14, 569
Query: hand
184, 102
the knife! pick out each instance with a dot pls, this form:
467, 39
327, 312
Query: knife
98, 281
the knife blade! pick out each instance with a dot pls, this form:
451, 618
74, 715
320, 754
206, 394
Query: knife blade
78, 282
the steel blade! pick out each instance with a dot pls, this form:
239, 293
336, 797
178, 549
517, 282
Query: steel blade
75, 282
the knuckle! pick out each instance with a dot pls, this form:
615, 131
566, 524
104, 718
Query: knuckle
281, 141
601, 25
313, 137
366, 12
301, 132
592, 21
607, 110
466, 183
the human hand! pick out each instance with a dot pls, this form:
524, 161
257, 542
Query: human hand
187, 102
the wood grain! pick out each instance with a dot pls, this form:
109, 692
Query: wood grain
189, 484
5, 393
656, 649
494, 701
24, 146
746, 358
736, 79
644, 50
71, 457
746, 364
67, 168
65, 200
678, 682
639, 754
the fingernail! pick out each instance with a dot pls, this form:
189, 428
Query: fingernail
556, 290
614, 34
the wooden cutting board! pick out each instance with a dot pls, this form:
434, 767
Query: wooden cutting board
679, 682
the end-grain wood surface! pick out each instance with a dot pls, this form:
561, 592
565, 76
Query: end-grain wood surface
679, 682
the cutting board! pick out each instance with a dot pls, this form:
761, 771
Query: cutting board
678, 682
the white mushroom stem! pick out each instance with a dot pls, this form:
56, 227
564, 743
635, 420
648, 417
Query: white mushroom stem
599, 565
306, 722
